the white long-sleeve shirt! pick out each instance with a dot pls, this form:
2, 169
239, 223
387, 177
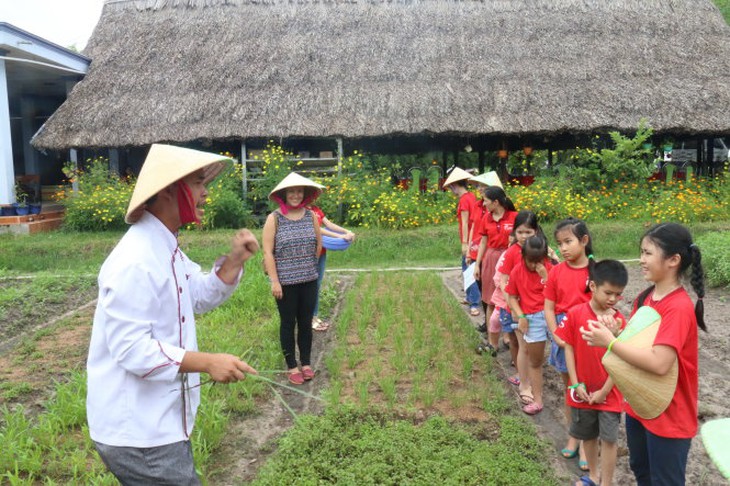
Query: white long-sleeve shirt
149, 292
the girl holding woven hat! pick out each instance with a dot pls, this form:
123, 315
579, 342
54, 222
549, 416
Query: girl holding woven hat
659, 427
496, 226
292, 243
457, 183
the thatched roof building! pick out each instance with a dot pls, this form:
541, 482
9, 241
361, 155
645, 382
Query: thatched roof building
191, 70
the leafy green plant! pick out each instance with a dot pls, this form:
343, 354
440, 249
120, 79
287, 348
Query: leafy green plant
715, 249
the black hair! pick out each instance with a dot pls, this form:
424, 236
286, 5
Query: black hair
579, 229
496, 193
527, 218
535, 248
463, 183
612, 272
675, 239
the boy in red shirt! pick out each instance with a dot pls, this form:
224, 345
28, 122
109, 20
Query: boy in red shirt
595, 403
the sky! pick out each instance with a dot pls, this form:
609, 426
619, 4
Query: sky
63, 22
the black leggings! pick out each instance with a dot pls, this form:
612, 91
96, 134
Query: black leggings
296, 308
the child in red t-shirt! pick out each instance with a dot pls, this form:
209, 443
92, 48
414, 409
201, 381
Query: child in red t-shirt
658, 447
526, 300
595, 403
566, 287
465, 217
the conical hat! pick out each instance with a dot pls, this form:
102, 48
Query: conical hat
716, 439
456, 175
648, 394
166, 164
488, 179
296, 180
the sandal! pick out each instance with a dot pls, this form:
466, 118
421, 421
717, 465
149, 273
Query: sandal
526, 398
514, 380
583, 465
307, 373
474, 311
585, 481
319, 325
570, 453
296, 377
532, 408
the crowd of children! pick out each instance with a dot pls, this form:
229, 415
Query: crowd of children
565, 307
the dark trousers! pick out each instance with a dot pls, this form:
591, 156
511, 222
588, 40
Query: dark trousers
296, 308
655, 460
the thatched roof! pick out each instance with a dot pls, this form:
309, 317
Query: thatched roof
184, 70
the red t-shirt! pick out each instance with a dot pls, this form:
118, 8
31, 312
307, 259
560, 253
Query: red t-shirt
466, 203
320, 217
497, 232
678, 330
528, 287
588, 364
566, 286
476, 216
512, 256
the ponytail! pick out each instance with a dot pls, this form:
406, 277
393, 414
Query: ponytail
496, 193
697, 280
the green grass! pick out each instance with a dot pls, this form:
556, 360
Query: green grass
394, 365
724, 6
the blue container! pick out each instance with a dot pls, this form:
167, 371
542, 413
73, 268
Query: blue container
330, 243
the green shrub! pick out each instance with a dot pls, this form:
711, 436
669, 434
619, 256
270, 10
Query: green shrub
716, 257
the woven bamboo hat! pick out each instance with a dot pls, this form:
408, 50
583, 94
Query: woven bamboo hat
488, 179
648, 394
297, 180
456, 175
166, 164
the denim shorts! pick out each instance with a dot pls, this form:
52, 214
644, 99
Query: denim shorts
537, 332
505, 318
557, 354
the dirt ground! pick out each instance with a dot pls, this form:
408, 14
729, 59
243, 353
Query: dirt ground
714, 386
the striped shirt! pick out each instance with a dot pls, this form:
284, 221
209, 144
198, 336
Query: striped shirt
295, 249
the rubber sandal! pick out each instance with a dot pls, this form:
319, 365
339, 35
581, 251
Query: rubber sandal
296, 378
583, 465
514, 380
307, 374
527, 398
570, 453
586, 481
474, 311
532, 408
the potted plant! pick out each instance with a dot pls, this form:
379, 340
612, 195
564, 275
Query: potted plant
21, 198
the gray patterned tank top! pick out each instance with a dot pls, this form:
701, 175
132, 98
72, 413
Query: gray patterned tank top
295, 249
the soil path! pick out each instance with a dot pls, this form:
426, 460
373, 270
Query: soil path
714, 386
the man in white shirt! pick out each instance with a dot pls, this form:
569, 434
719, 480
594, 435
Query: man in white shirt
144, 364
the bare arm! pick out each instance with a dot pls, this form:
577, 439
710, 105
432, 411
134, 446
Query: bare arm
331, 229
522, 322
268, 237
464, 232
658, 359
580, 392
552, 321
480, 255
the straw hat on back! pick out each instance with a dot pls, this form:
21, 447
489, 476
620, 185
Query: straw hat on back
456, 175
648, 394
296, 180
487, 179
166, 164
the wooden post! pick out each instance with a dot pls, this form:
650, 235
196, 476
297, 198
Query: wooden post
340, 207
75, 159
244, 170
114, 161
481, 161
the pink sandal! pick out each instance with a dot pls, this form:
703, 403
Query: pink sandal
307, 373
296, 377
532, 408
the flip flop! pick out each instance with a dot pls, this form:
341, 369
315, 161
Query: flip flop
474, 311
585, 481
527, 398
583, 465
532, 408
514, 380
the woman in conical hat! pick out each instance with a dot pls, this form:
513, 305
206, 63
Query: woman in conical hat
659, 446
292, 243
457, 183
